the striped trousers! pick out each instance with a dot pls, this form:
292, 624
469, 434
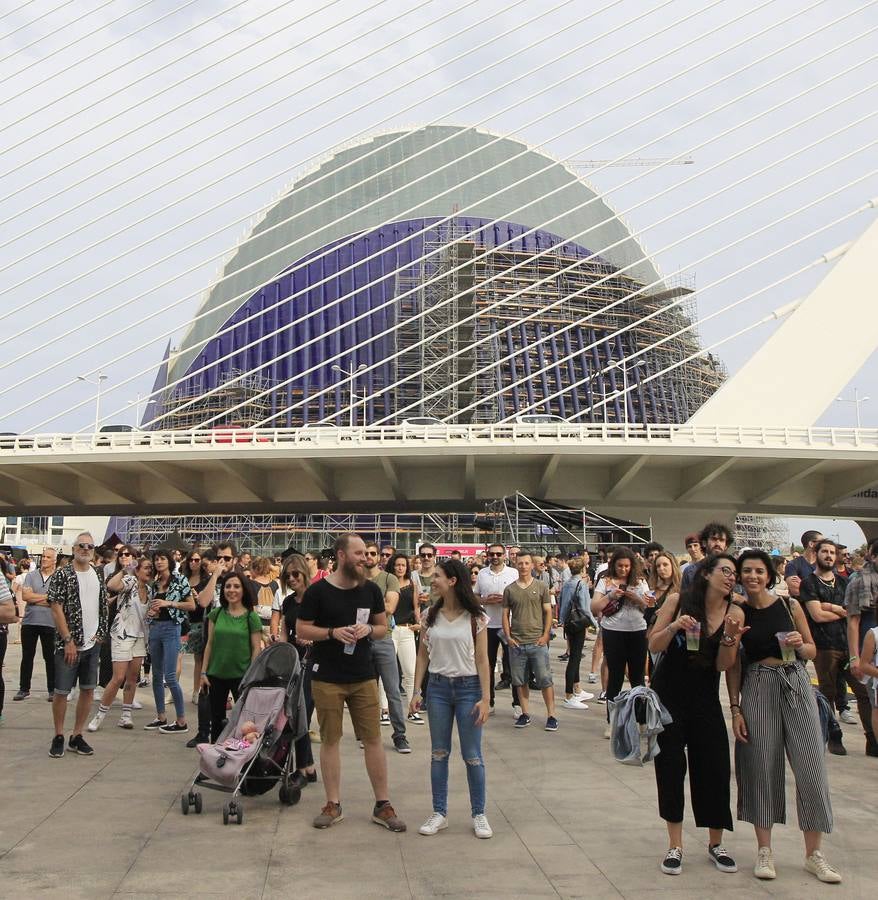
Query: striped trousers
781, 715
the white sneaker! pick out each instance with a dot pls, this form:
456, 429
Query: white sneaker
817, 865
481, 827
97, 721
574, 703
592, 678
584, 695
434, 824
136, 704
125, 720
516, 712
848, 717
764, 867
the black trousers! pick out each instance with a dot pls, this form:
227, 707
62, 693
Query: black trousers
623, 649
495, 645
219, 694
705, 741
30, 635
4, 637
571, 675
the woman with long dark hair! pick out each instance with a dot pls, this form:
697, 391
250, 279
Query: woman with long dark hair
171, 600
620, 600
407, 623
697, 633
193, 571
775, 718
454, 646
234, 640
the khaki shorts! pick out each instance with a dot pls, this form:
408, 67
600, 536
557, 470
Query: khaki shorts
124, 650
362, 700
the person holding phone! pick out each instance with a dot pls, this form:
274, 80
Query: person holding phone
454, 647
620, 599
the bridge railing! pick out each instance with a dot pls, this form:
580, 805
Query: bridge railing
444, 434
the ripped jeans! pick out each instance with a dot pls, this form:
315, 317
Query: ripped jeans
450, 699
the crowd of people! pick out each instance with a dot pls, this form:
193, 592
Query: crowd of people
391, 637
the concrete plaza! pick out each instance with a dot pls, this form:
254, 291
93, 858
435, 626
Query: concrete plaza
569, 821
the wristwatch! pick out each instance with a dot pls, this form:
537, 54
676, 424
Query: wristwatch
67, 639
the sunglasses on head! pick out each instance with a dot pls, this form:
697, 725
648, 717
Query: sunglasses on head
86, 546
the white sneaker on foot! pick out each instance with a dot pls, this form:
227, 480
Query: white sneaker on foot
574, 703
764, 867
125, 720
481, 827
136, 704
97, 721
848, 717
817, 865
584, 696
435, 823
516, 712
592, 678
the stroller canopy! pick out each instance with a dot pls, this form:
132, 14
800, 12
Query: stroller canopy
276, 666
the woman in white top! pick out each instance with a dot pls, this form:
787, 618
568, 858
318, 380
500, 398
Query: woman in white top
869, 666
620, 598
454, 645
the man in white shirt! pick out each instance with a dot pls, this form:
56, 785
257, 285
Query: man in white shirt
78, 600
490, 584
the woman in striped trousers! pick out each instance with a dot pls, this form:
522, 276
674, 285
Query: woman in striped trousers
774, 714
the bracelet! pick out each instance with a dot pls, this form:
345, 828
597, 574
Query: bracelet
729, 640
853, 659
737, 715
417, 693
329, 633
734, 706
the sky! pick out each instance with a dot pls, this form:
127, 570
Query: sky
135, 153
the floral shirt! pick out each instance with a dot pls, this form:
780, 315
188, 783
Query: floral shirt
64, 589
129, 622
178, 590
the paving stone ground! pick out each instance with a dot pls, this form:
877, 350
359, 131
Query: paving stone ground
568, 820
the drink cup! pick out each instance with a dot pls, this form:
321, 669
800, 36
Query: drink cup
788, 653
693, 637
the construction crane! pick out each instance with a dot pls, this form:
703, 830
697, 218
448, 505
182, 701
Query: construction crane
630, 161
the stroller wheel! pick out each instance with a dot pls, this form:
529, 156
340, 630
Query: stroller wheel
225, 814
184, 804
239, 812
198, 804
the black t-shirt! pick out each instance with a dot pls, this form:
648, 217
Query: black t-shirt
164, 613
405, 609
330, 607
197, 614
827, 635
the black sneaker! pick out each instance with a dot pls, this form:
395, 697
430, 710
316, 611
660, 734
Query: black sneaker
522, 721
836, 748
401, 744
551, 724
155, 724
173, 728
192, 743
721, 858
56, 751
78, 745
503, 684
564, 657
22, 695
673, 862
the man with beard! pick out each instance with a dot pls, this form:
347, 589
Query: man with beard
822, 595
342, 614
714, 538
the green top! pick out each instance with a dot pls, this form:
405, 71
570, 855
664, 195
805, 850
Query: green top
230, 651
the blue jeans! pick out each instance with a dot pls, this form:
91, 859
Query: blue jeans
535, 657
450, 699
164, 647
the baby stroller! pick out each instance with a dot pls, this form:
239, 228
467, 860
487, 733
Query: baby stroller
271, 696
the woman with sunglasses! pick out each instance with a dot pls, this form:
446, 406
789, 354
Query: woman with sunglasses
775, 719
697, 635
315, 572
293, 582
191, 569
172, 599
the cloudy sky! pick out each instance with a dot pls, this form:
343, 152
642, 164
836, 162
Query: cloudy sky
141, 140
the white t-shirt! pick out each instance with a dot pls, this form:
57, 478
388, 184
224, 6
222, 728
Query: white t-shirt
491, 582
89, 598
451, 645
629, 617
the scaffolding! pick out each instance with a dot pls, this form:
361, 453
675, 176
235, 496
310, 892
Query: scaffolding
246, 394
462, 279
761, 533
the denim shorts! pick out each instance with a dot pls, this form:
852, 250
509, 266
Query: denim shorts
84, 670
533, 656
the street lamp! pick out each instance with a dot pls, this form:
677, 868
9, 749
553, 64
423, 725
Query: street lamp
352, 375
856, 401
621, 364
101, 378
136, 407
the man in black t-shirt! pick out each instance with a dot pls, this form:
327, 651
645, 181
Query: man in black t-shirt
822, 595
341, 614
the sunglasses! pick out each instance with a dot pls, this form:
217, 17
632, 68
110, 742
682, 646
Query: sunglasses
426, 555
226, 558
371, 553
86, 546
387, 555
495, 554
124, 553
193, 559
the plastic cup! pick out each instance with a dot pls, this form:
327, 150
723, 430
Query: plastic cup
788, 653
693, 637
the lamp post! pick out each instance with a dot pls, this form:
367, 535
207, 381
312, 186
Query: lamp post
856, 401
621, 364
136, 407
101, 378
352, 375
